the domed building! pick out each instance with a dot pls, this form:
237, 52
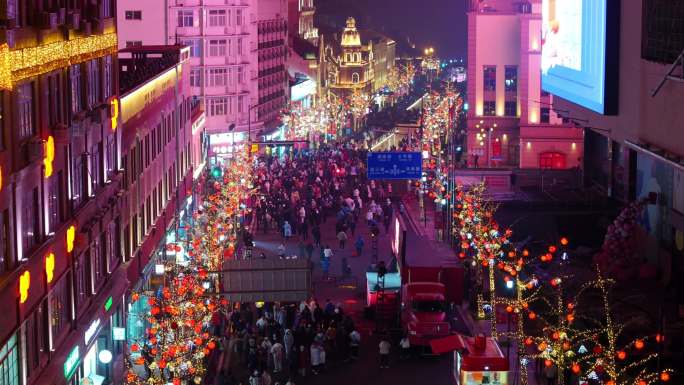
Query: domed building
346, 63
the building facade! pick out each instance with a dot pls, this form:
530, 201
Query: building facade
224, 40
300, 20
61, 276
346, 63
638, 152
272, 57
384, 54
511, 122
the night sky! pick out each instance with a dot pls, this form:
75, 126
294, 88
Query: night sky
438, 23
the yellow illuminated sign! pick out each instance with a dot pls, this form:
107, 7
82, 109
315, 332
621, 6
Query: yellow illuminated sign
70, 237
49, 155
115, 113
49, 266
24, 284
255, 148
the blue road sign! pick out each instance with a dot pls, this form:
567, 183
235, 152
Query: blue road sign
394, 165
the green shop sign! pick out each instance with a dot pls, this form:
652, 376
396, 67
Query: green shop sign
108, 303
71, 362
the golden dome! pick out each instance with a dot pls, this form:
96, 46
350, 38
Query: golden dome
350, 36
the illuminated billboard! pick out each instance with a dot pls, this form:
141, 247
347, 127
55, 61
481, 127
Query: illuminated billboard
579, 52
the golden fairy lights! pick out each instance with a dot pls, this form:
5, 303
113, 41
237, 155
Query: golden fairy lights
19, 64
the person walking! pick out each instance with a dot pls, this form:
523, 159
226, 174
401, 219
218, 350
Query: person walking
405, 345
384, 348
281, 251
316, 233
342, 237
354, 343
359, 245
309, 250
287, 230
303, 360
277, 352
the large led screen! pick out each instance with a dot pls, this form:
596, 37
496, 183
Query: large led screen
578, 52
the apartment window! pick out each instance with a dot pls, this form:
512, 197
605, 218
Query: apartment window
195, 47
97, 261
111, 155
662, 30
55, 99
106, 8
511, 78
29, 221
77, 180
238, 17
107, 81
185, 18
9, 362
217, 17
6, 260
240, 103
93, 68
489, 108
511, 108
113, 253
81, 282
218, 106
195, 77
25, 100
489, 76
59, 307
133, 15
545, 115
239, 46
76, 91
55, 194
217, 47
240, 75
217, 77
133, 43
34, 338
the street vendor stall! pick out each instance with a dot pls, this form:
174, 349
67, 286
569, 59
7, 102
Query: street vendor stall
476, 360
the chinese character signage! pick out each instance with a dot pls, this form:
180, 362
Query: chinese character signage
394, 165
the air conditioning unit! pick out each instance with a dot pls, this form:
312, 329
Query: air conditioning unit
36, 150
74, 20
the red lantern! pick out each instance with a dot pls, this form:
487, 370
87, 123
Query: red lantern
198, 341
135, 297
621, 355
211, 345
135, 348
597, 349
639, 344
176, 381
155, 310
665, 376
575, 368
532, 315
548, 363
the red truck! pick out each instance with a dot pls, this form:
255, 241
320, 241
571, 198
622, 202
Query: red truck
431, 280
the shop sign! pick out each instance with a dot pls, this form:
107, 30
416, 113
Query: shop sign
118, 334
71, 362
108, 303
91, 331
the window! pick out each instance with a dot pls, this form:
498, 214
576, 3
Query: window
355, 77
106, 8
240, 103
113, 253
662, 30
238, 17
133, 15
239, 46
107, 81
545, 115
489, 108
29, 221
76, 92
97, 261
554, 160
195, 77
59, 307
6, 260
133, 43
9, 362
77, 180
240, 76
111, 155
217, 17
510, 108
93, 68
217, 77
195, 47
489, 77
217, 47
95, 168
218, 106
55, 99
25, 100
185, 18
34, 338
511, 78
81, 282
56, 212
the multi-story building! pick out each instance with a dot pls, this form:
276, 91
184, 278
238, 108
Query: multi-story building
384, 53
223, 36
346, 64
61, 276
510, 121
300, 20
272, 56
163, 146
637, 150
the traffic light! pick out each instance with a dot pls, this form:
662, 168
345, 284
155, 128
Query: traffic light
216, 172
